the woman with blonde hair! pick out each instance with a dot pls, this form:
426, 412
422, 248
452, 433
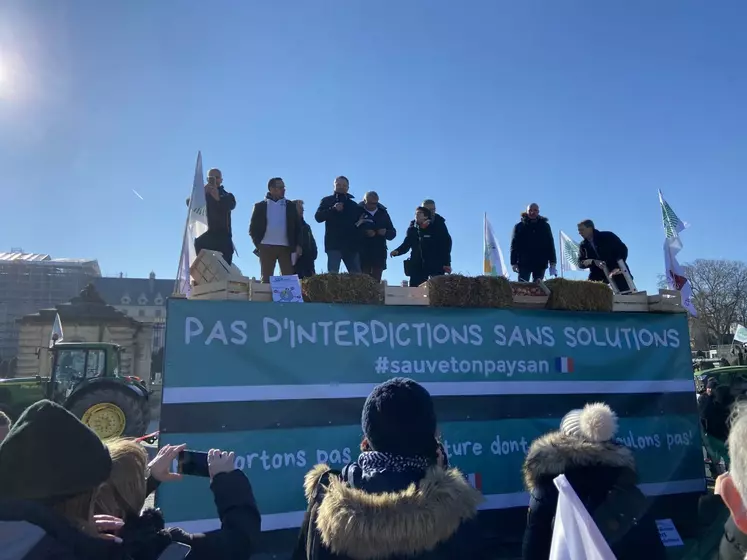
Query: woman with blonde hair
144, 534
51, 466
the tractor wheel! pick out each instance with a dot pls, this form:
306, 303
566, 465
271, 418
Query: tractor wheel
111, 413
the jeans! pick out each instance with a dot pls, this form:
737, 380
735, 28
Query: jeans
525, 273
351, 259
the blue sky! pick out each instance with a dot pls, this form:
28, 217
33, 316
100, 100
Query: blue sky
585, 107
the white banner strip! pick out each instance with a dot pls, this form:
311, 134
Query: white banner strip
293, 519
246, 393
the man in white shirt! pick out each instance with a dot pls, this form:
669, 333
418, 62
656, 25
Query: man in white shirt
275, 229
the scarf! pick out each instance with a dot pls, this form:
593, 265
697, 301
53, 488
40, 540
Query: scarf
375, 462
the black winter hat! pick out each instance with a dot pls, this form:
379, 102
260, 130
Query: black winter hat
399, 418
49, 454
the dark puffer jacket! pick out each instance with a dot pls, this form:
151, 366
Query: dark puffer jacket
373, 250
592, 469
340, 233
430, 246
391, 516
532, 244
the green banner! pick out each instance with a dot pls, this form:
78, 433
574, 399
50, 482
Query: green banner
282, 385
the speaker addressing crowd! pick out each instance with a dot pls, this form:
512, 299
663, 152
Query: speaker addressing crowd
357, 234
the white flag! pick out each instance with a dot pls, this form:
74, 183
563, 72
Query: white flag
575, 535
196, 225
740, 335
570, 251
493, 264
673, 271
56, 331
673, 226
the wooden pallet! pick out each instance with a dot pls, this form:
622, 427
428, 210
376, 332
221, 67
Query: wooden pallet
209, 267
666, 301
630, 303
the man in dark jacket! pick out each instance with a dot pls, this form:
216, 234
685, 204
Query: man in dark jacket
376, 228
430, 204
218, 204
602, 246
339, 213
429, 243
532, 246
275, 229
305, 263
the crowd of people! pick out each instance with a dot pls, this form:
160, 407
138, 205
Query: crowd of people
66, 495
356, 234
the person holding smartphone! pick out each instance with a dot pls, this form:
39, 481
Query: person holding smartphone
219, 204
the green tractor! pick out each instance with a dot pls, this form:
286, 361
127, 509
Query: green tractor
85, 379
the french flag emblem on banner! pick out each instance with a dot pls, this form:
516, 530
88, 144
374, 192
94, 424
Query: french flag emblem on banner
475, 480
564, 365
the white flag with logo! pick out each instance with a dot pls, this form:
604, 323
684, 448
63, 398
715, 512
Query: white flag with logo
575, 535
570, 252
56, 335
675, 274
196, 225
740, 335
493, 263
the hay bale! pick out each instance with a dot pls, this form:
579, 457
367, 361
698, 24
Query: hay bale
342, 288
579, 295
456, 290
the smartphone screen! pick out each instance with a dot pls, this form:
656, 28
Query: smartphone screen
193, 463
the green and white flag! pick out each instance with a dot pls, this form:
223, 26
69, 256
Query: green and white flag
672, 224
570, 252
740, 335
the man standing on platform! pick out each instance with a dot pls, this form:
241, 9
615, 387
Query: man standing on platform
275, 229
339, 213
218, 203
533, 246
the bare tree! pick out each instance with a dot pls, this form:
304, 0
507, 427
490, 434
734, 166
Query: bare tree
719, 296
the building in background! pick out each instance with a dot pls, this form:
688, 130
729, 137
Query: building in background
143, 299
85, 318
30, 282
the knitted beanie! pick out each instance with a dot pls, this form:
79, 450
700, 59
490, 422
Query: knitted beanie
49, 454
596, 423
399, 418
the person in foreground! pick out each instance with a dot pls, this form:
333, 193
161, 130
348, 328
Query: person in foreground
51, 466
399, 499
732, 487
603, 475
123, 496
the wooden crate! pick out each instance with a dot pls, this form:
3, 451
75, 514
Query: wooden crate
630, 303
259, 291
405, 295
666, 301
226, 289
209, 267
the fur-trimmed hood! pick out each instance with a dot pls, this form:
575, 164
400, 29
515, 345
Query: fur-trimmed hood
407, 522
525, 218
554, 453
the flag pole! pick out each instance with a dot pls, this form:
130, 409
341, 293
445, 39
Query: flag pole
177, 287
561, 254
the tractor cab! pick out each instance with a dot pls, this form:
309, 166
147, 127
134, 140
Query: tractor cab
76, 363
